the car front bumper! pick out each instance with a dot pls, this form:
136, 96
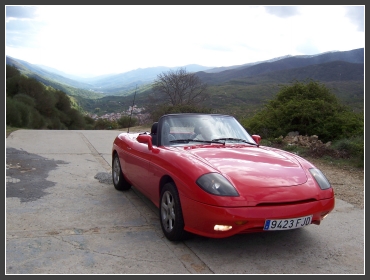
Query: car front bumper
201, 218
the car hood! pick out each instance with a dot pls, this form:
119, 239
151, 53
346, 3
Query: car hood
253, 166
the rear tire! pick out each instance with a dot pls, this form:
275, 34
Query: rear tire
170, 213
119, 180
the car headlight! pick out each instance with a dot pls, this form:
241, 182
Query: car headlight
320, 178
216, 184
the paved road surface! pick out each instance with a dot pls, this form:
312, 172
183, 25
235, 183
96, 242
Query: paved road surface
63, 216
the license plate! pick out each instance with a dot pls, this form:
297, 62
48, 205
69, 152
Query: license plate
286, 224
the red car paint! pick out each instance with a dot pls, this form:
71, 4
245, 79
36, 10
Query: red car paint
271, 183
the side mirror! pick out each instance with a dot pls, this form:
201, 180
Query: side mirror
145, 139
256, 139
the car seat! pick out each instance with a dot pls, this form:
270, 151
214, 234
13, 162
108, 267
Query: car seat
153, 133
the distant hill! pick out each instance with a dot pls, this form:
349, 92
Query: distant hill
354, 56
125, 83
38, 72
116, 84
242, 96
238, 90
324, 72
53, 79
224, 68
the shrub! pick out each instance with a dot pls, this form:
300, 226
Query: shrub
36, 120
26, 99
105, 124
17, 113
126, 121
353, 146
308, 108
89, 122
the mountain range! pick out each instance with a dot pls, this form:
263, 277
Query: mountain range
341, 70
115, 84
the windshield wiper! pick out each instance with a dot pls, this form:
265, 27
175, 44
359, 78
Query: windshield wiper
196, 140
234, 139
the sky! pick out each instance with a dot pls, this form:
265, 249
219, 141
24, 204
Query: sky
94, 40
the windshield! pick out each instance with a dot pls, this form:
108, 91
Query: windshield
180, 129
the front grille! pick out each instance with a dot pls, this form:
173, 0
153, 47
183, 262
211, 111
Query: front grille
264, 204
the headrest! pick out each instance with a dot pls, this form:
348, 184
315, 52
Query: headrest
154, 128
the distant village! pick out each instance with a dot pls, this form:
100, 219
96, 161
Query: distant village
136, 113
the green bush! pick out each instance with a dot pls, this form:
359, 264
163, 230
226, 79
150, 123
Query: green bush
36, 120
26, 99
76, 120
12, 85
353, 146
102, 124
126, 121
310, 109
17, 113
31, 104
55, 123
89, 122
11, 71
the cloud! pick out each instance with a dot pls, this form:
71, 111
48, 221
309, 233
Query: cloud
308, 47
20, 12
102, 39
356, 16
282, 11
218, 47
22, 26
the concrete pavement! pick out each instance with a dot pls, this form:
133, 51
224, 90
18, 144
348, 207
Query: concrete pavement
63, 216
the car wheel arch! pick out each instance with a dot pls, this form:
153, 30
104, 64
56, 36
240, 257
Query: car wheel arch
118, 178
170, 212
113, 154
164, 180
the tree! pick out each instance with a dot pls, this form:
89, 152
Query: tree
180, 88
11, 71
31, 104
310, 109
63, 102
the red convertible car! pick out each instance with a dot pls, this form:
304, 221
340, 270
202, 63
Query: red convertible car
209, 177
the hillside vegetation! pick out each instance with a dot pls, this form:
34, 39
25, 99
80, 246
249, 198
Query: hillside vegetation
31, 104
307, 107
342, 71
244, 96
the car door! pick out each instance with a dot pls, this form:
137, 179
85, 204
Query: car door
137, 164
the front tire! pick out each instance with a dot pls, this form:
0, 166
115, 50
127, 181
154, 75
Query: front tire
170, 213
119, 181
